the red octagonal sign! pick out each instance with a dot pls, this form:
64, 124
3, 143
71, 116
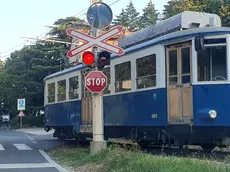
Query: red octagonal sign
96, 81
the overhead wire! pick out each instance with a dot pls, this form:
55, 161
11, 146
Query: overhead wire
76, 15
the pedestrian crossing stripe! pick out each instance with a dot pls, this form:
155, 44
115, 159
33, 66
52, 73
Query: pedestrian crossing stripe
22, 147
1, 147
17, 146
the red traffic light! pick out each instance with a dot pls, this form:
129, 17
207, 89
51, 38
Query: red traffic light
88, 58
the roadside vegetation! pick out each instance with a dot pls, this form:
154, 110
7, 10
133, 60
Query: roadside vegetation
115, 159
27, 122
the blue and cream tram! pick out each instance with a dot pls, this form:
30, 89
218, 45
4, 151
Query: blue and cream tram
172, 86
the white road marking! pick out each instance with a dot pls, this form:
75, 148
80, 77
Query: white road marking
29, 165
34, 141
1, 147
61, 169
22, 147
30, 138
50, 163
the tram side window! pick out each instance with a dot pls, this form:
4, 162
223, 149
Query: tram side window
51, 93
146, 71
123, 77
212, 64
73, 88
106, 71
61, 90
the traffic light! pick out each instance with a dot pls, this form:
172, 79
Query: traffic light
103, 59
88, 58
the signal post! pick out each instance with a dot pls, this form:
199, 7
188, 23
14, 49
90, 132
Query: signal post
99, 16
98, 142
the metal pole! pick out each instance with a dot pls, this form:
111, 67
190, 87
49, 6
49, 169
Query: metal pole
98, 122
20, 121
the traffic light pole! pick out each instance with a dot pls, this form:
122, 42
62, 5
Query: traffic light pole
98, 142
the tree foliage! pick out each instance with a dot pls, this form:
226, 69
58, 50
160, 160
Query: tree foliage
133, 21
150, 16
25, 69
121, 19
219, 7
132, 15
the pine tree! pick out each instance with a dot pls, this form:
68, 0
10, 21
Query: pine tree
121, 19
133, 19
150, 15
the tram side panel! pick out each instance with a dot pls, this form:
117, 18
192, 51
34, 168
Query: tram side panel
63, 116
211, 97
144, 110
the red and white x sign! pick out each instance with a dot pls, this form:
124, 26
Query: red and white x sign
99, 41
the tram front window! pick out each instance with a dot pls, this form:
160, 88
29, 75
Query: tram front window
212, 64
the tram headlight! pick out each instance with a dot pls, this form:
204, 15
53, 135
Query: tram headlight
212, 114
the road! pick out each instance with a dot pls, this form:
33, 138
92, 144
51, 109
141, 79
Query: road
25, 152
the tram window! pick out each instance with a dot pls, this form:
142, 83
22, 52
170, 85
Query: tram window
146, 71
61, 90
123, 77
51, 93
106, 71
212, 64
185, 65
73, 88
173, 73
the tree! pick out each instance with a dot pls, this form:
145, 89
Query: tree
60, 26
133, 18
149, 17
219, 7
128, 18
224, 12
23, 72
121, 19
174, 7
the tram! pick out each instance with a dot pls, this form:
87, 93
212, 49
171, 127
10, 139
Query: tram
172, 86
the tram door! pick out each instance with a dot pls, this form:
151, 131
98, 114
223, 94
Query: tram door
179, 78
86, 105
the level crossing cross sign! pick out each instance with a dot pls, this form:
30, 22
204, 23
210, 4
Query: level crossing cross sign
96, 81
99, 41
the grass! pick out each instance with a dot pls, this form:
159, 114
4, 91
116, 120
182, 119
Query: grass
115, 159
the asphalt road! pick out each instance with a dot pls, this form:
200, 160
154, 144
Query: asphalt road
20, 152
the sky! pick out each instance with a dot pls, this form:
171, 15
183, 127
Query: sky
31, 18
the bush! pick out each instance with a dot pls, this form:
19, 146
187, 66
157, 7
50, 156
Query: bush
27, 121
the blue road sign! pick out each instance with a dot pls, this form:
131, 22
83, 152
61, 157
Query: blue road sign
99, 15
21, 104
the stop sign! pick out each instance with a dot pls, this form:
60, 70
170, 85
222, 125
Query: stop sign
96, 81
